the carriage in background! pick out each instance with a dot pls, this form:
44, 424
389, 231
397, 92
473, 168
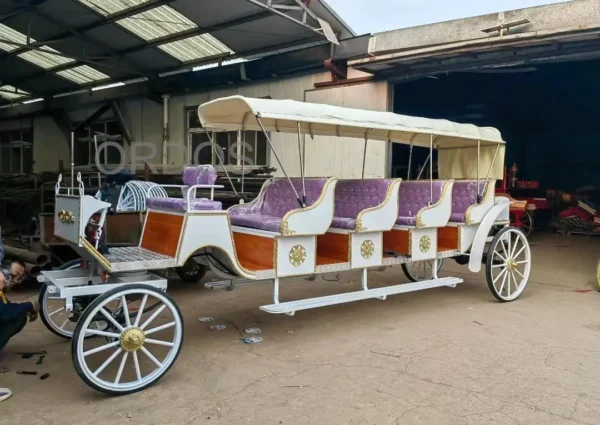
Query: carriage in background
129, 331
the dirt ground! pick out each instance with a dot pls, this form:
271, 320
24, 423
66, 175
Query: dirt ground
442, 356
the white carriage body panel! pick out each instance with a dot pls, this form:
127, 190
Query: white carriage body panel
466, 236
384, 216
423, 244
366, 249
313, 220
477, 212
437, 215
296, 255
208, 229
68, 228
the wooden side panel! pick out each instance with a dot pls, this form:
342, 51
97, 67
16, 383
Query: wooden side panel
254, 252
162, 233
448, 238
332, 248
397, 241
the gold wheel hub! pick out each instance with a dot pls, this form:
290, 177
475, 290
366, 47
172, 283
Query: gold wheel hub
511, 264
132, 339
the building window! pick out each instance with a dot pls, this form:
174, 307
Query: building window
236, 147
85, 148
16, 151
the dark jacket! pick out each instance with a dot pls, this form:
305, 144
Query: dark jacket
10, 311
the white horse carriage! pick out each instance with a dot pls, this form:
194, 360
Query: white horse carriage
129, 331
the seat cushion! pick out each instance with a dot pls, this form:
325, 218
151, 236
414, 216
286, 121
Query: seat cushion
406, 221
257, 221
200, 174
457, 217
343, 223
178, 204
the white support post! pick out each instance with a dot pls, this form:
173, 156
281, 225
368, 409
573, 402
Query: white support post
364, 280
276, 290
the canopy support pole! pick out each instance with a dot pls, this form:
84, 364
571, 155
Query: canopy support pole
424, 165
216, 151
278, 160
301, 155
487, 177
243, 157
409, 160
365, 155
72, 161
430, 169
478, 160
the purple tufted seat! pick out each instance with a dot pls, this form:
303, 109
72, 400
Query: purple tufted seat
276, 200
353, 196
464, 195
414, 196
199, 175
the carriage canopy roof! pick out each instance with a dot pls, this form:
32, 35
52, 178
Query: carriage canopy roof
238, 112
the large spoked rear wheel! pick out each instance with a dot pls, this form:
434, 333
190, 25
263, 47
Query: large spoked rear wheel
141, 343
417, 271
508, 264
191, 272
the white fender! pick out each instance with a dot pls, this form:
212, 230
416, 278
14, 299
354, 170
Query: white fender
482, 233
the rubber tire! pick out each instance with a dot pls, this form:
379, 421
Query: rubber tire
191, 279
488, 264
43, 290
412, 279
531, 224
79, 329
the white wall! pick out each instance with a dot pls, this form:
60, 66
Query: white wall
325, 157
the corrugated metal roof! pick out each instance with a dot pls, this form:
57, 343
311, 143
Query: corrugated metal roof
83, 75
45, 60
16, 94
161, 22
7, 33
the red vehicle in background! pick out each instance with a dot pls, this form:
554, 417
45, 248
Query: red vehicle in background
526, 203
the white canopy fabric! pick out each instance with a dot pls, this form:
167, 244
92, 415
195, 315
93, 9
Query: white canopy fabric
456, 143
239, 113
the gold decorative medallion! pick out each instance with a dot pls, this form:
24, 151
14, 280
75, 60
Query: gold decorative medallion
285, 230
66, 217
367, 249
132, 339
424, 243
297, 255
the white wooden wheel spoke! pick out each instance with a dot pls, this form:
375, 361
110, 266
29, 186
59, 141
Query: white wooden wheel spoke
125, 311
121, 367
64, 323
504, 250
500, 274
108, 361
160, 328
111, 319
517, 239
513, 275
501, 257
494, 266
151, 356
56, 311
141, 310
503, 281
151, 318
520, 251
508, 284
136, 363
159, 342
101, 348
101, 333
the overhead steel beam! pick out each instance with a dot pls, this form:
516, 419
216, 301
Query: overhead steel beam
197, 31
91, 42
22, 9
114, 105
284, 10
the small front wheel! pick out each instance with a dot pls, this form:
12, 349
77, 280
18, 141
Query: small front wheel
417, 271
140, 344
508, 264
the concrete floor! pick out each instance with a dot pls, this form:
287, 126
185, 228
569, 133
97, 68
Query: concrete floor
443, 356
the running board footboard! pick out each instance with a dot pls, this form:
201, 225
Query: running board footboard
291, 307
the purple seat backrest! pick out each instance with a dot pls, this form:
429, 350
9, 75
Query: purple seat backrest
278, 198
464, 194
353, 196
416, 195
200, 174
